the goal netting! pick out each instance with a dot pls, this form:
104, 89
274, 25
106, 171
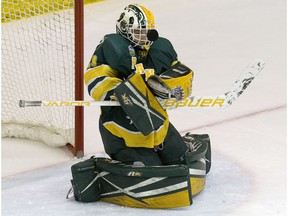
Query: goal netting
38, 63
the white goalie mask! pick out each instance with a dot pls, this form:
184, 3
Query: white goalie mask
136, 23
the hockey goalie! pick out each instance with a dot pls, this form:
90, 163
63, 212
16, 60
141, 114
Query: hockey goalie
151, 165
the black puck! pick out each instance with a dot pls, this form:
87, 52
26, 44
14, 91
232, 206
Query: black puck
152, 34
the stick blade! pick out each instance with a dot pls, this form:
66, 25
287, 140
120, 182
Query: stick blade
246, 77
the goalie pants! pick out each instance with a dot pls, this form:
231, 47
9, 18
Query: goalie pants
172, 152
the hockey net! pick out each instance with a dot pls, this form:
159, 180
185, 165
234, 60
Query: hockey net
39, 40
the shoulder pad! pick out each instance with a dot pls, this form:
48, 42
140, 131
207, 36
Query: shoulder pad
164, 45
114, 46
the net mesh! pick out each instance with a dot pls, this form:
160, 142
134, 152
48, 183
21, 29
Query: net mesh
37, 64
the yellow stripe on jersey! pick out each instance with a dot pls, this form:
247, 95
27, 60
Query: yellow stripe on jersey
101, 80
105, 86
102, 70
137, 139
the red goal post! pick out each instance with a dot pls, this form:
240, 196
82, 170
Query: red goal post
78, 148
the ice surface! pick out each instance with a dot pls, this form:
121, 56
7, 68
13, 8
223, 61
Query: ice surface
217, 39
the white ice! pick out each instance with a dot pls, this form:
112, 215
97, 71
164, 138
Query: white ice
217, 39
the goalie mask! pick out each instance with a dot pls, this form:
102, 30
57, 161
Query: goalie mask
136, 23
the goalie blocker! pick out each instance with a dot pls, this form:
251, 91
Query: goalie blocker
169, 186
140, 105
138, 100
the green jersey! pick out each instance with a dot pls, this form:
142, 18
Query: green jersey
113, 61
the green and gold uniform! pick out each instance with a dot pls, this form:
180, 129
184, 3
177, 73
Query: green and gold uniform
113, 61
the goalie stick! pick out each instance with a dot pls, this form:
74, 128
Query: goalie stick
193, 102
